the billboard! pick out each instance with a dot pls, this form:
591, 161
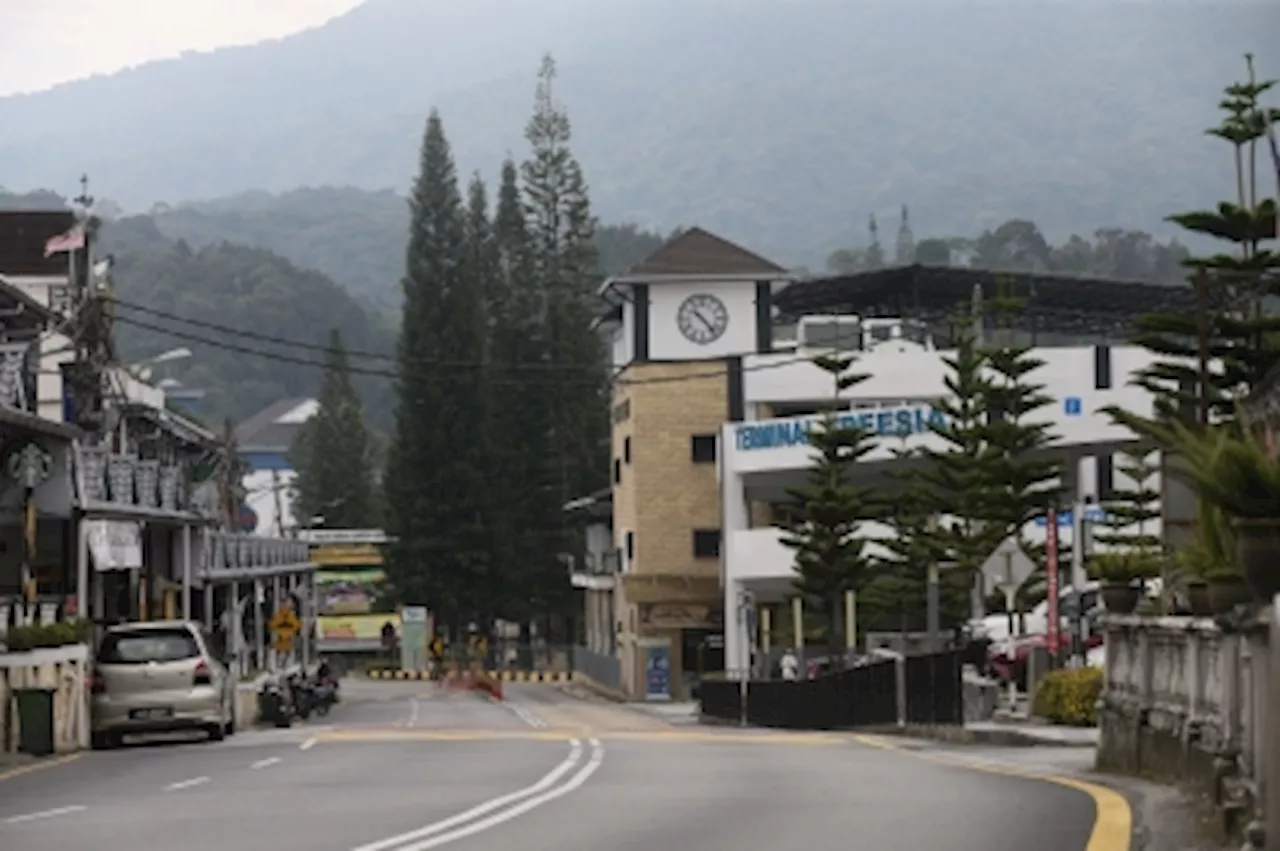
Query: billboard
354, 632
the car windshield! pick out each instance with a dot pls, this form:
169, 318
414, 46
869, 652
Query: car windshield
123, 648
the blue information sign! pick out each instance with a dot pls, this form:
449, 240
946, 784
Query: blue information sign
657, 673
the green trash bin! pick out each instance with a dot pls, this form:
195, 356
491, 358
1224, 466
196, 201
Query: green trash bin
35, 720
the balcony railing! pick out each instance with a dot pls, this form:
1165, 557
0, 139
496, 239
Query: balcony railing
123, 480
232, 556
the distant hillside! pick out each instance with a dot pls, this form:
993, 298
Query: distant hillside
248, 289
356, 237
781, 123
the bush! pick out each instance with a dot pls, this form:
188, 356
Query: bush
60, 634
1069, 696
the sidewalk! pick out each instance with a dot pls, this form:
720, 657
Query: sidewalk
673, 712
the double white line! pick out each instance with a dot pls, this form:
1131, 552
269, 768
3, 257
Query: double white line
499, 810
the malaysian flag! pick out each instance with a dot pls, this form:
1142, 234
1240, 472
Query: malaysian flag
72, 240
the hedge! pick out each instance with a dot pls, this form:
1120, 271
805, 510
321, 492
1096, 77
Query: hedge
1069, 696
60, 634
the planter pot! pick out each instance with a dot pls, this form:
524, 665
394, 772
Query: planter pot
1258, 549
1227, 592
1198, 598
1120, 598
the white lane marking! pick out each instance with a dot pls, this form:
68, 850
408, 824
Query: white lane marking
524, 714
413, 711
308, 744
187, 784
60, 811
264, 763
597, 756
548, 780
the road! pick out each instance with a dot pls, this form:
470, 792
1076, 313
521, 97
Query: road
409, 767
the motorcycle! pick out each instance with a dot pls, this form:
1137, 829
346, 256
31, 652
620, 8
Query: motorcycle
324, 694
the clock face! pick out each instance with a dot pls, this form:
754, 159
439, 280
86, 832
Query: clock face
702, 319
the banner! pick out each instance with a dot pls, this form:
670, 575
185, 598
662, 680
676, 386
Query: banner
114, 544
357, 629
348, 592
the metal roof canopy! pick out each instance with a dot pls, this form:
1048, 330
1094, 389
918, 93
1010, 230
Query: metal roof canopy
937, 293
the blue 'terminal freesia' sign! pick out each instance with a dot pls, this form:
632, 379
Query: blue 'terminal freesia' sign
884, 422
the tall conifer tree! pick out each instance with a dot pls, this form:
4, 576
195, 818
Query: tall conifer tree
435, 479
333, 453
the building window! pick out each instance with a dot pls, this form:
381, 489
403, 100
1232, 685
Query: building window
1102, 367
1106, 467
626, 450
706, 543
631, 547
617, 471
704, 448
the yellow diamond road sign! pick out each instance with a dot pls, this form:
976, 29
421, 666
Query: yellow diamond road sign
285, 622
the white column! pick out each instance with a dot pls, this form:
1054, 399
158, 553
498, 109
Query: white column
186, 572
258, 644
734, 518
82, 570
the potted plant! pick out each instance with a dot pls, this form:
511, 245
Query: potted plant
1121, 575
1231, 470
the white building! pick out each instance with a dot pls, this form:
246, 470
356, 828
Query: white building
764, 455
713, 347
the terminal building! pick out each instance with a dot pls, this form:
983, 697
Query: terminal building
716, 387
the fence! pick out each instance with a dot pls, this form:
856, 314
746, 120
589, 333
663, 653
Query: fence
888, 691
935, 693
60, 669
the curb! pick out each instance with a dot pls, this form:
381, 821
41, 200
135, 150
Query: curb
968, 736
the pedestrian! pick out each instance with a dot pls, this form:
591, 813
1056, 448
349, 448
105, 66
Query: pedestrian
789, 665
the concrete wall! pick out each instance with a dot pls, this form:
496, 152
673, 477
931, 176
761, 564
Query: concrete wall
1186, 702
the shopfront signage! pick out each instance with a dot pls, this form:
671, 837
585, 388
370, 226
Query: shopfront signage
882, 422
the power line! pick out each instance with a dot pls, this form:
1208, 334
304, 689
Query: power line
714, 372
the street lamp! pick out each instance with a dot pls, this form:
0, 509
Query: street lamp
142, 368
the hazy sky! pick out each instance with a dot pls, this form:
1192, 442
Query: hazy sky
44, 42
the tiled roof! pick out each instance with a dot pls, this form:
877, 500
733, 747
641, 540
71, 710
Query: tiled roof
273, 428
699, 252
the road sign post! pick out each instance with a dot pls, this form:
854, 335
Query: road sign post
1051, 585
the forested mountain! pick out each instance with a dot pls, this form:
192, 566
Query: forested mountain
282, 268
246, 289
354, 236
781, 123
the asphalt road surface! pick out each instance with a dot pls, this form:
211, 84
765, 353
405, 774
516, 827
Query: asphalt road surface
410, 767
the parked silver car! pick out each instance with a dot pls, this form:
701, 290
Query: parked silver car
160, 676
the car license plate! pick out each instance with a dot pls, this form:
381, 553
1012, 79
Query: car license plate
151, 713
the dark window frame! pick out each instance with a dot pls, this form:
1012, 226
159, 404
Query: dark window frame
704, 448
707, 543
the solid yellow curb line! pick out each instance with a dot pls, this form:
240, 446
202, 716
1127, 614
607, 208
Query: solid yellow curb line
39, 766
1113, 821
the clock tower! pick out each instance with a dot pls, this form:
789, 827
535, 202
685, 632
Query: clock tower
683, 320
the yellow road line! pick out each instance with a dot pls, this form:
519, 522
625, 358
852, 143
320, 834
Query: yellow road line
564, 734
38, 766
1113, 821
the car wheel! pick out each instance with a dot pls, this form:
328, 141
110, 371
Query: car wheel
104, 741
216, 733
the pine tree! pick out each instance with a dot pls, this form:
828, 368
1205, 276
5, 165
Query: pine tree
905, 247
333, 452
1027, 476
823, 527
962, 476
1214, 355
873, 257
435, 480
563, 263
